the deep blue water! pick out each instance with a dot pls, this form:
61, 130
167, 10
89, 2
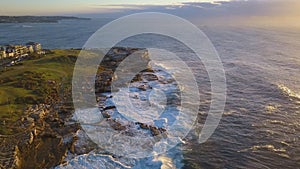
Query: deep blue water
260, 127
64, 34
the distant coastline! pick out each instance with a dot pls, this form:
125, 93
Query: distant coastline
37, 19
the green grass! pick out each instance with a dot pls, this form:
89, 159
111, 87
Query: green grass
28, 83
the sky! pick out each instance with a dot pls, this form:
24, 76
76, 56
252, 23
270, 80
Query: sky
49, 7
280, 12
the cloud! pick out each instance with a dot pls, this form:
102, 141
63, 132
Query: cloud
203, 4
222, 12
131, 8
114, 8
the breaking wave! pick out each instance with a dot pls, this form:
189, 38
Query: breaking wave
289, 92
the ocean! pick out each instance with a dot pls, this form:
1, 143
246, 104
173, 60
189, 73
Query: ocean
260, 127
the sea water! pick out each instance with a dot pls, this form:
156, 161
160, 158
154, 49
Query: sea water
260, 125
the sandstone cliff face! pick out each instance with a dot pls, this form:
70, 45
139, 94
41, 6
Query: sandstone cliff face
49, 134
44, 142
116, 134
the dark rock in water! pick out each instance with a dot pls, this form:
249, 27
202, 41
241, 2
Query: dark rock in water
142, 125
150, 77
162, 130
82, 143
137, 78
143, 87
105, 114
48, 137
109, 107
116, 125
155, 131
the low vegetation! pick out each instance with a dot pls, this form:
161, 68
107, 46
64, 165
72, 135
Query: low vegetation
36, 80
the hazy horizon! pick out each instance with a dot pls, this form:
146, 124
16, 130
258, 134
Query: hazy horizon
213, 85
249, 12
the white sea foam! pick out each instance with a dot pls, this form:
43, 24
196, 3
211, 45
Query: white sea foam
94, 160
286, 90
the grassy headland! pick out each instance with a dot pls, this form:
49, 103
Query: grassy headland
33, 81
37, 19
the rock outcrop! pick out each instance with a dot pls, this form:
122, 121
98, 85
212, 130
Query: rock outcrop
50, 136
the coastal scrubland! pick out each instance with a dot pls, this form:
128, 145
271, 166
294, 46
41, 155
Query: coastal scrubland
38, 79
